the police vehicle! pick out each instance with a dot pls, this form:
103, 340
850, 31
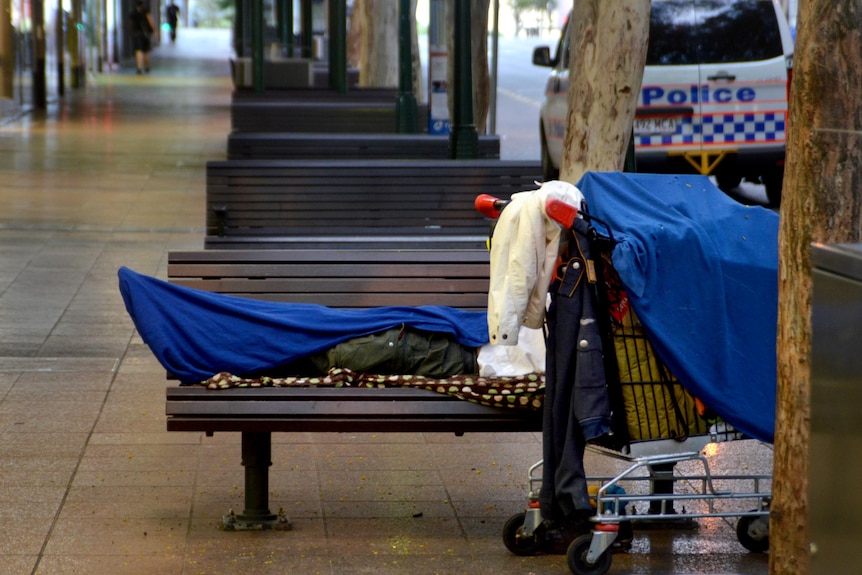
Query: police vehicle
713, 98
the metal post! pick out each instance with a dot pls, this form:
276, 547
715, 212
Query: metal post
495, 53
239, 28
40, 95
257, 44
630, 164
338, 45
73, 42
405, 108
307, 30
256, 459
464, 138
60, 43
7, 51
281, 15
287, 38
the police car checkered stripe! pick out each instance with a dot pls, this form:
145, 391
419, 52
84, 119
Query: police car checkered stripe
723, 128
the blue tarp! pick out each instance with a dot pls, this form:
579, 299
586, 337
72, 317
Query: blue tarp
195, 334
701, 271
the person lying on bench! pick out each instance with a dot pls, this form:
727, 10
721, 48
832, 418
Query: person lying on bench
195, 334
404, 350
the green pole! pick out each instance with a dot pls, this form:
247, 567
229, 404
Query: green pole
257, 43
338, 45
39, 83
405, 107
284, 15
288, 28
630, 164
307, 30
239, 28
464, 139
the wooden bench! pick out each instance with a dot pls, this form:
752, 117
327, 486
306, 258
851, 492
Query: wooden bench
414, 203
340, 278
281, 74
368, 117
295, 146
384, 95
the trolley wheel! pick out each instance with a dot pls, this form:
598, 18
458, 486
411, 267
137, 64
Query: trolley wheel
728, 181
514, 539
577, 558
753, 533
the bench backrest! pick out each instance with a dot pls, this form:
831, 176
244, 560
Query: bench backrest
358, 198
294, 146
369, 117
340, 278
356, 94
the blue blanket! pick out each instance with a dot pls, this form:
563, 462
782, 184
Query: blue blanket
701, 271
195, 334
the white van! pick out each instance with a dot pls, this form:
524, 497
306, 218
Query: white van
713, 98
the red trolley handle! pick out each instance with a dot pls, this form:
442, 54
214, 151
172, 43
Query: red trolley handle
489, 206
558, 210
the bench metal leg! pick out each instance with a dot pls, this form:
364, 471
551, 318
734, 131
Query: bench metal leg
662, 475
257, 459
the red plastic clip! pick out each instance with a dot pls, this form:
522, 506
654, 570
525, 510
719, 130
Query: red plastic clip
561, 212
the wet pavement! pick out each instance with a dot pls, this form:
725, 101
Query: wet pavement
91, 482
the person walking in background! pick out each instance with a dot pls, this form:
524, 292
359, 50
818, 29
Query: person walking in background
172, 13
142, 28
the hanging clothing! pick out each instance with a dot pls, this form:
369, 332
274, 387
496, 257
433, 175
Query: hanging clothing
524, 250
577, 407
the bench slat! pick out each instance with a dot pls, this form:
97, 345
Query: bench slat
391, 256
336, 409
367, 116
275, 145
335, 269
340, 278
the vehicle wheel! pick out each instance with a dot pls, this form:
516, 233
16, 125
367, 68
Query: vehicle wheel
577, 558
728, 181
773, 183
514, 540
549, 172
753, 533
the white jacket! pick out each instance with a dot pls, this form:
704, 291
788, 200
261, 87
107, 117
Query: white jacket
524, 250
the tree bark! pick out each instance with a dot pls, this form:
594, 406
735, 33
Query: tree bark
608, 51
822, 202
369, 34
478, 58
378, 63
355, 35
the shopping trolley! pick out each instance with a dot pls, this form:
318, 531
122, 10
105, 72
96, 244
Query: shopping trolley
656, 425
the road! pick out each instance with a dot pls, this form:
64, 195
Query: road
520, 89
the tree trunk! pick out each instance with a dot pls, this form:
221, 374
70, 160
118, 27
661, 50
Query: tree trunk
368, 34
608, 51
355, 35
378, 63
481, 87
822, 202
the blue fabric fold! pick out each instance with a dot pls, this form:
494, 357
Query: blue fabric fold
701, 272
195, 334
